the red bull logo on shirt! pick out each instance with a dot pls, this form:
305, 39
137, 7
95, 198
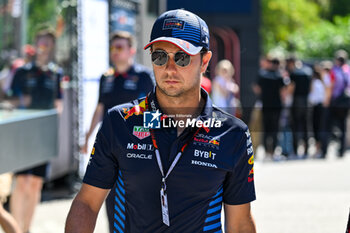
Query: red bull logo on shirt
135, 110
215, 142
206, 140
251, 172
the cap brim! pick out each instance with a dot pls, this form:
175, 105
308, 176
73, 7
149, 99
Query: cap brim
186, 46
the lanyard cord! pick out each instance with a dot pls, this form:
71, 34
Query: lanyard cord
178, 156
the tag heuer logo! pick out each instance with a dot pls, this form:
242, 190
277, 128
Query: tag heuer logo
141, 132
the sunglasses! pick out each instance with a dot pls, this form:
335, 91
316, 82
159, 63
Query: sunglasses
160, 58
117, 48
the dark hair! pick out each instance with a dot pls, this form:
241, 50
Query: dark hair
203, 51
275, 61
341, 60
123, 35
317, 70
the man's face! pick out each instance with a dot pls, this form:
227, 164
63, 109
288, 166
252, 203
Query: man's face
120, 51
44, 47
174, 80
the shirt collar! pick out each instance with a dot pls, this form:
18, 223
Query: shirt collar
205, 114
124, 74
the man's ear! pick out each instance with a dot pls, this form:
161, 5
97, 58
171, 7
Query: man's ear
205, 61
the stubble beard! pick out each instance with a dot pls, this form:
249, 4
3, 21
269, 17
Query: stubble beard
182, 91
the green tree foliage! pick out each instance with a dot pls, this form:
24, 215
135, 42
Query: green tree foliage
40, 12
310, 28
321, 40
338, 7
281, 18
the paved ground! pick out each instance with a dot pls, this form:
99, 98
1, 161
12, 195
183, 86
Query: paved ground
304, 196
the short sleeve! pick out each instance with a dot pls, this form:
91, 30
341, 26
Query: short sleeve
151, 79
239, 184
59, 77
100, 95
103, 166
148, 83
17, 83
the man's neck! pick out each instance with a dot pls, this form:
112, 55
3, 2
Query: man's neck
123, 67
42, 63
181, 108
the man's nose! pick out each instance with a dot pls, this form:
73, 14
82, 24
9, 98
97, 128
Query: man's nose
171, 65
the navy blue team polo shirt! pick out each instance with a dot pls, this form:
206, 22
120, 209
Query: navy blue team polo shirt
43, 86
118, 88
216, 167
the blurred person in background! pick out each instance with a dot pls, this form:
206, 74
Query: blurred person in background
7, 222
317, 98
348, 225
326, 67
35, 86
340, 100
300, 76
286, 136
255, 122
270, 86
225, 89
123, 82
7, 73
206, 83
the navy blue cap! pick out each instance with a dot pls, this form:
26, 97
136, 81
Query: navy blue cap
181, 28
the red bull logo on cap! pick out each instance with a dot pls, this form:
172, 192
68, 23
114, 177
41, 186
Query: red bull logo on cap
135, 110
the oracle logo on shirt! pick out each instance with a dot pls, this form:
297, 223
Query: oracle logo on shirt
138, 156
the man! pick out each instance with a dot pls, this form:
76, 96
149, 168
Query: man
340, 100
270, 87
7, 222
124, 82
300, 76
348, 226
171, 179
34, 86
